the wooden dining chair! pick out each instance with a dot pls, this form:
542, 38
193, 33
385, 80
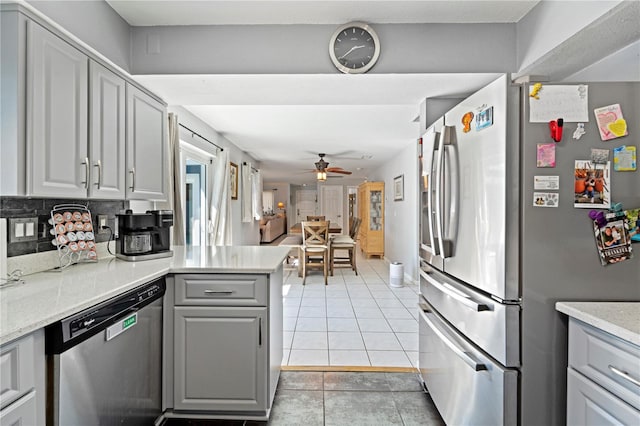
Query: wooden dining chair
345, 242
315, 218
314, 251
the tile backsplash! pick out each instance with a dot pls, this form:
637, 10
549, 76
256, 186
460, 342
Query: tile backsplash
12, 207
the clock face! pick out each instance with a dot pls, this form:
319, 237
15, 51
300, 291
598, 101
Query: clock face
354, 48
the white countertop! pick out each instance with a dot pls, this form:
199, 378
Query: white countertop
622, 319
47, 297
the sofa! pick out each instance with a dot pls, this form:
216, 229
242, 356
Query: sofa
271, 227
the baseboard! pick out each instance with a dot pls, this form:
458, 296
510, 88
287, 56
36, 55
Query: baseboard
348, 368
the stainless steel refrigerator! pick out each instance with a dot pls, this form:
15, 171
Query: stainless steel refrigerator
493, 350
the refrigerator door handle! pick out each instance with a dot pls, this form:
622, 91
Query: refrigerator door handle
456, 294
429, 177
460, 352
454, 197
438, 209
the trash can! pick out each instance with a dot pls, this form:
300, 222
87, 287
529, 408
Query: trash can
396, 274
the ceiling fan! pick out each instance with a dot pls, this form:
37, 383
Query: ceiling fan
323, 166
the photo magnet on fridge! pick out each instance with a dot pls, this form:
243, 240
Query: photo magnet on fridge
624, 158
592, 185
613, 238
484, 118
546, 155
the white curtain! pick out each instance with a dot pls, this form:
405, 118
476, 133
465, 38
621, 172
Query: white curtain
219, 226
174, 196
246, 189
256, 194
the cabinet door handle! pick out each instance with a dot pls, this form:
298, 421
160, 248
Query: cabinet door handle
86, 172
219, 292
133, 178
624, 375
99, 179
260, 332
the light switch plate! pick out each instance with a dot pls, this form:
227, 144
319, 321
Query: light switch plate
21, 227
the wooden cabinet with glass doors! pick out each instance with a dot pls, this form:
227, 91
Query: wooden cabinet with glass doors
371, 210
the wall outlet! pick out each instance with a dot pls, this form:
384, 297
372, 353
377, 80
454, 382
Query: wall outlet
23, 229
102, 220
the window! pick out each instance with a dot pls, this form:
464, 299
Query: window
267, 202
196, 175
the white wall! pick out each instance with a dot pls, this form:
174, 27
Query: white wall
95, 23
401, 217
623, 65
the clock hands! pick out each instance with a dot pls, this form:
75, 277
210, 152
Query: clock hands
351, 50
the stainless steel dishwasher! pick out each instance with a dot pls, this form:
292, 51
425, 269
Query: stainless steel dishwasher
104, 363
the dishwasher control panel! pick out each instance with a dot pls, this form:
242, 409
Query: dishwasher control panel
67, 332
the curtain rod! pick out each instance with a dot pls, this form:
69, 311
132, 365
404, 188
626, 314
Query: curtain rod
252, 168
201, 137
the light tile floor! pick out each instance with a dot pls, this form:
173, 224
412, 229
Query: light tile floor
353, 321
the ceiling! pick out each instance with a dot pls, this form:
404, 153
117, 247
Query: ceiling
284, 121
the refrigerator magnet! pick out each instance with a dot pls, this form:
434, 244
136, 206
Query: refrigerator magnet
611, 123
545, 199
546, 183
546, 155
599, 156
592, 185
467, 118
624, 158
579, 132
484, 118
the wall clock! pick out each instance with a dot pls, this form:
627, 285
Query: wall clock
354, 48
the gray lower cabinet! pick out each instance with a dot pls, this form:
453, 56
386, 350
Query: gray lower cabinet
220, 358
222, 344
22, 381
602, 378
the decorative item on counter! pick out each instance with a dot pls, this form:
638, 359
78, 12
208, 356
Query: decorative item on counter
535, 90
613, 239
579, 132
611, 123
467, 118
72, 230
546, 155
555, 126
591, 184
484, 118
599, 156
624, 158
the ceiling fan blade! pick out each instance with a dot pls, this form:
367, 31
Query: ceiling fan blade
341, 171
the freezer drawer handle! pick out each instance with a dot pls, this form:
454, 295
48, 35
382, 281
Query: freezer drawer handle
624, 375
462, 354
214, 292
458, 295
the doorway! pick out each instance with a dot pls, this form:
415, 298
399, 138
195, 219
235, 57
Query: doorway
305, 204
331, 203
196, 169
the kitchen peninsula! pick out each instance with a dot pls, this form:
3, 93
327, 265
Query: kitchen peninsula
248, 277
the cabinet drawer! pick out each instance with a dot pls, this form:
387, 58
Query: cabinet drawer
16, 369
221, 290
23, 412
589, 404
607, 360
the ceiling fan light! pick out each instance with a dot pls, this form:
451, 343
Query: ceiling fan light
322, 176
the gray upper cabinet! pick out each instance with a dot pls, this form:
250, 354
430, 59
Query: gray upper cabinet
107, 105
146, 147
57, 76
72, 126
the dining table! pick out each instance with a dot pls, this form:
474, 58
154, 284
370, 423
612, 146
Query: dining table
334, 228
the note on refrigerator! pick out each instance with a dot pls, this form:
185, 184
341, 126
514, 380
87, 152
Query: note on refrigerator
568, 102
